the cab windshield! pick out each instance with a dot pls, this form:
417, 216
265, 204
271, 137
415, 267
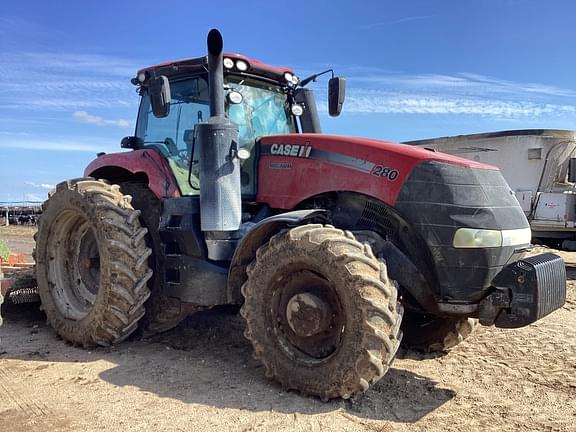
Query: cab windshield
264, 111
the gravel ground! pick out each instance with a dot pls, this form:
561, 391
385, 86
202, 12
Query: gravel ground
201, 377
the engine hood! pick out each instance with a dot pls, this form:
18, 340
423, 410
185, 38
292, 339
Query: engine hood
370, 150
298, 166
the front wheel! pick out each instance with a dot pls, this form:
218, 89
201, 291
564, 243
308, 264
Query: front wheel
320, 312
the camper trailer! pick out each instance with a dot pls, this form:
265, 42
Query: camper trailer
540, 167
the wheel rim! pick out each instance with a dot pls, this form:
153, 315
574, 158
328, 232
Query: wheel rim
74, 265
307, 315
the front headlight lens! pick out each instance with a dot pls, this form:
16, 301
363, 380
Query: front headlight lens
241, 65
477, 238
481, 238
516, 237
228, 63
297, 110
235, 97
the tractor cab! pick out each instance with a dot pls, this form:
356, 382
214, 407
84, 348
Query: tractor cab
261, 100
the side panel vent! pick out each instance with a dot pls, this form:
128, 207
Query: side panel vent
377, 218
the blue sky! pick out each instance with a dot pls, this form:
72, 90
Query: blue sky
414, 69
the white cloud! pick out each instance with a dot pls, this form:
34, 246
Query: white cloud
65, 81
40, 185
34, 197
378, 91
80, 144
362, 101
84, 117
468, 83
396, 21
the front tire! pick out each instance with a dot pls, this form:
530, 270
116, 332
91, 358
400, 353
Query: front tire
320, 312
91, 263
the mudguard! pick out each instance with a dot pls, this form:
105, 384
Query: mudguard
256, 237
148, 162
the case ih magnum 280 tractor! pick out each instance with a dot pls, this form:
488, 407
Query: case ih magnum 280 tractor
333, 246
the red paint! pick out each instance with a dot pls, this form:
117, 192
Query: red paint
256, 64
286, 188
161, 181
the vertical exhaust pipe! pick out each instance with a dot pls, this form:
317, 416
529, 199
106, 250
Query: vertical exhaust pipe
216, 73
217, 138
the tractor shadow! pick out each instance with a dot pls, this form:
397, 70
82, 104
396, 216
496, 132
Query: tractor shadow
571, 271
206, 360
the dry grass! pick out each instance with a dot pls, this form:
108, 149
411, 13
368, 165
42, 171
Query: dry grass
17, 231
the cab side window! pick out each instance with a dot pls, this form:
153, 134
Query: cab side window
172, 135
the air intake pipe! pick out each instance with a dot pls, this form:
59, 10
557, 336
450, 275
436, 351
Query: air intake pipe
217, 138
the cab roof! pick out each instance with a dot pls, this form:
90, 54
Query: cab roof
184, 67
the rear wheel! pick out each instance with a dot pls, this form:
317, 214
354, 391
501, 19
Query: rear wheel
320, 312
430, 333
162, 312
91, 263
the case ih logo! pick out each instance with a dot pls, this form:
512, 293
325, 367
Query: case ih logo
307, 151
294, 150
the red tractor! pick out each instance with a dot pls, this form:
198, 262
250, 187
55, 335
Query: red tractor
333, 246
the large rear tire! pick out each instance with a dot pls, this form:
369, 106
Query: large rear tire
429, 333
91, 263
162, 313
320, 312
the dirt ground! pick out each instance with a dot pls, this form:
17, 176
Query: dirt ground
201, 377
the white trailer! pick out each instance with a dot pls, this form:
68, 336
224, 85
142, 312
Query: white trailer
540, 167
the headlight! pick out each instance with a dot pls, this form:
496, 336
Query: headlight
516, 237
297, 110
228, 63
241, 65
477, 238
288, 77
235, 97
482, 238
243, 154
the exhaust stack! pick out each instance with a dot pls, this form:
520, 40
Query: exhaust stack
220, 190
216, 73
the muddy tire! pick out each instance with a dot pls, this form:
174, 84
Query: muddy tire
320, 311
162, 313
91, 263
429, 333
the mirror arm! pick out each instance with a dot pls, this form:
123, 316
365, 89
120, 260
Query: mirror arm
311, 78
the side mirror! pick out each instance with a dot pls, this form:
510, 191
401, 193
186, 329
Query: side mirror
131, 142
159, 90
336, 95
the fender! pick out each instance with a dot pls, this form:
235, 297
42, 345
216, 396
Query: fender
149, 162
256, 237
